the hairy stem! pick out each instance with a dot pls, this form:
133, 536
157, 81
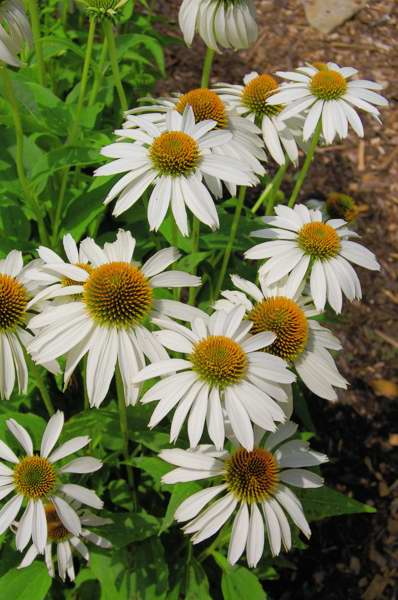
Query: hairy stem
35, 21
308, 160
115, 64
124, 431
231, 240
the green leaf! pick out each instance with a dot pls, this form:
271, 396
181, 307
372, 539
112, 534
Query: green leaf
324, 502
150, 574
130, 527
239, 583
31, 583
197, 587
179, 493
155, 467
33, 423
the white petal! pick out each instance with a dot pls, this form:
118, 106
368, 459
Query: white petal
39, 526
255, 539
9, 512
24, 532
273, 529
82, 494
21, 435
240, 531
86, 464
69, 447
52, 433
67, 515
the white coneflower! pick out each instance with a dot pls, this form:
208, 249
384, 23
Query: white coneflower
37, 480
328, 95
15, 31
15, 291
107, 318
224, 369
174, 161
300, 339
245, 144
256, 483
57, 284
252, 101
225, 23
66, 542
300, 241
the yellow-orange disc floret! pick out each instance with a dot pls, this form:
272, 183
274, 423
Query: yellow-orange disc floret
205, 105
13, 302
56, 531
34, 477
287, 320
328, 85
174, 153
219, 360
66, 281
251, 476
319, 240
118, 294
256, 93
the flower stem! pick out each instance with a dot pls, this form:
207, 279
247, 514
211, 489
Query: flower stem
276, 184
114, 64
306, 165
30, 197
41, 384
207, 65
124, 431
195, 248
35, 21
231, 240
76, 124
99, 73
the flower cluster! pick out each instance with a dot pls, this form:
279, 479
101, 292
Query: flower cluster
224, 368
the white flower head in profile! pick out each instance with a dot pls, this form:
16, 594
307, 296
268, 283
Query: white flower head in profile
225, 23
16, 289
300, 339
328, 96
15, 31
251, 100
106, 319
37, 480
225, 369
255, 484
244, 145
173, 160
65, 542
300, 241
57, 283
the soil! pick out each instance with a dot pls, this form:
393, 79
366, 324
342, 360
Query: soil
348, 557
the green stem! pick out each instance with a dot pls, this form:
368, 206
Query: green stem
99, 73
30, 197
276, 184
124, 431
114, 64
308, 159
195, 248
76, 125
39, 378
35, 21
207, 65
232, 236
264, 195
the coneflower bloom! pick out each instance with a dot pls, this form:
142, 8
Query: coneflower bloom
245, 144
300, 242
16, 289
173, 160
107, 316
225, 369
15, 31
254, 484
328, 95
251, 100
37, 480
66, 542
225, 23
300, 339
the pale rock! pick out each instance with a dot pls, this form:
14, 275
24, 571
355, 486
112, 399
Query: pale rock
326, 15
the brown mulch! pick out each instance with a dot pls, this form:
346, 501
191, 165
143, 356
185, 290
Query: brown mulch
348, 557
